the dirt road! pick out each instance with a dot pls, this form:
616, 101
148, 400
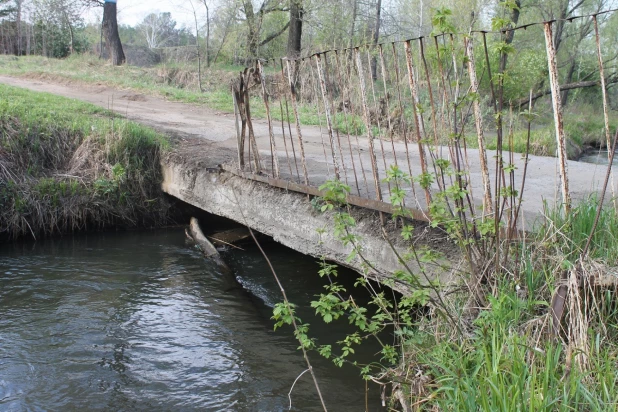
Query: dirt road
198, 123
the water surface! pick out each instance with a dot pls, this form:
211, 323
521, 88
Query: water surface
141, 321
599, 157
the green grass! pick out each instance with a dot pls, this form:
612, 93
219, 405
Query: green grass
500, 368
507, 363
66, 165
575, 229
44, 112
89, 69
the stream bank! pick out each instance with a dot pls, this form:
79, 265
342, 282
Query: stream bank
68, 166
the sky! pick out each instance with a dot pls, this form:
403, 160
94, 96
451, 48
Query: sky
132, 12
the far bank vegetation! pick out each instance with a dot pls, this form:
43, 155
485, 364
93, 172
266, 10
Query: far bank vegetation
195, 62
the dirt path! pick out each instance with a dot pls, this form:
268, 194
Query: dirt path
198, 123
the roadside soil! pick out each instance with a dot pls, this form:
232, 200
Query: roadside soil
208, 138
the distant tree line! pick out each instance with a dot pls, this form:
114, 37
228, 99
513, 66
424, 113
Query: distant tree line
56, 28
236, 31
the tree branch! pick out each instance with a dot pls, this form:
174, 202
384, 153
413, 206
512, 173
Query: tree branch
273, 36
92, 3
570, 86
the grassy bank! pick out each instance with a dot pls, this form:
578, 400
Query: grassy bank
68, 166
508, 358
490, 338
168, 81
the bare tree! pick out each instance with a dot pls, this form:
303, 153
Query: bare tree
197, 46
225, 23
205, 2
254, 22
157, 29
18, 4
376, 39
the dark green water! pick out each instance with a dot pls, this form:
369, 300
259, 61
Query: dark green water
140, 321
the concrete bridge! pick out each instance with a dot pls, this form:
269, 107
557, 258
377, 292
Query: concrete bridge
262, 172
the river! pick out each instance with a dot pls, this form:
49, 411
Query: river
597, 157
141, 321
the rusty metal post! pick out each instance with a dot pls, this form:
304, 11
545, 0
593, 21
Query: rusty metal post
296, 117
273, 145
238, 136
402, 119
349, 59
478, 120
316, 89
328, 115
418, 116
385, 80
605, 106
445, 113
557, 107
281, 93
363, 90
430, 89
248, 73
378, 112
344, 109
287, 118
336, 130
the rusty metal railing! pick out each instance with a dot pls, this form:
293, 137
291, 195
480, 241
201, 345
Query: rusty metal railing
359, 114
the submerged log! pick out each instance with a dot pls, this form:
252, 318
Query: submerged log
207, 248
230, 237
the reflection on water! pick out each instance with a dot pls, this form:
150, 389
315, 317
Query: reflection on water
598, 157
141, 321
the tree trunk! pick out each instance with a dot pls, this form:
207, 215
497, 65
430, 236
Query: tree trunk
252, 35
18, 23
353, 28
44, 40
71, 40
296, 29
569, 77
110, 32
376, 39
199, 55
207, 34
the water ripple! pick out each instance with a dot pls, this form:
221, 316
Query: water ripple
142, 322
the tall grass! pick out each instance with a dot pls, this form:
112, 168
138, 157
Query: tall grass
572, 231
67, 165
508, 359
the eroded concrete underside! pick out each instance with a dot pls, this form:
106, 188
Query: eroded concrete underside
291, 219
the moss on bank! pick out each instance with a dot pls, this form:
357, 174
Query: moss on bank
67, 166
